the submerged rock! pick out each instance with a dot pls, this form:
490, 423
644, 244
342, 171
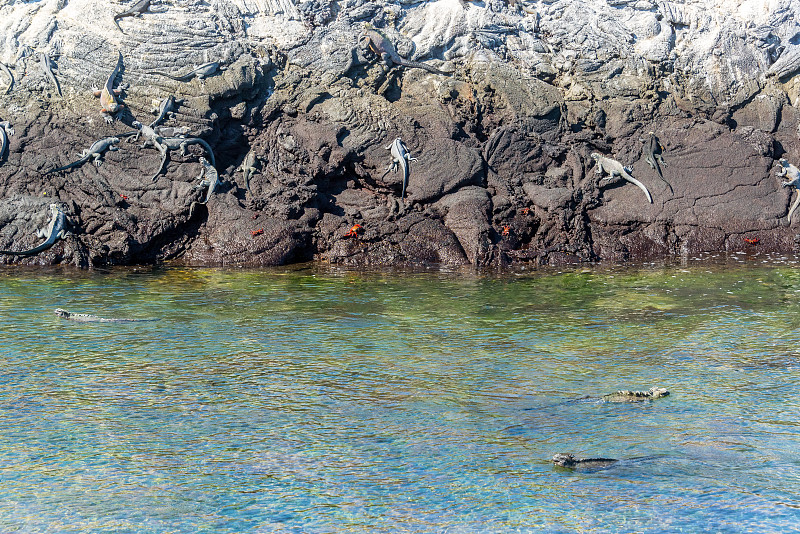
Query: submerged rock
503, 173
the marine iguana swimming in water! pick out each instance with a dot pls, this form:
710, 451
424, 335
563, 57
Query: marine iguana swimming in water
570, 462
626, 395
86, 318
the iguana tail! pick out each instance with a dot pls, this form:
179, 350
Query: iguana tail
641, 186
794, 207
417, 64
176, 78
31, 252
116, 17
71, 165
657, 168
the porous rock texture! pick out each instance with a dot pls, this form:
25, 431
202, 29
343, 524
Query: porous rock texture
503, 173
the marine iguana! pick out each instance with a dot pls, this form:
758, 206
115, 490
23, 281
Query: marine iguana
166, 108
249, 166
209, 177
172, 131
570, 462
636, 396
7, 72
654, 156
44, 59
137, 10
203, 71
175, 143
6, 131
373, 40
86, 318
615, 168
791, 172
95, 151
400, 157
107, 95
55, 230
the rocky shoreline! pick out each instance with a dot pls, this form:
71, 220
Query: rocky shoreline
503, 142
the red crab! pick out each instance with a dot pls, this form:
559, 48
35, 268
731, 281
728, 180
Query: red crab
354, 231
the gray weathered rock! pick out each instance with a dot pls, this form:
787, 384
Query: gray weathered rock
503, 143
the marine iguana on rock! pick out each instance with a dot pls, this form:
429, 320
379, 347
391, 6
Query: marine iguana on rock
166, 108
44, 59
249, 166
654, 156
791, 172
209, 177
172, 131
108, 95
86, 318
636, 396
6, 131
203, 71
55, 230
95, 151
7, 72
175, 143
400, 157
137, 10
570, 462
373, 40
615, 168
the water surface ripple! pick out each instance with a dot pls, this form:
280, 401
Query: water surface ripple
312, 400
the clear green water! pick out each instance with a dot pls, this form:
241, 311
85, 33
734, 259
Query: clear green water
306, 400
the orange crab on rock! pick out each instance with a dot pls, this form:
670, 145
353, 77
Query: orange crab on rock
354, 231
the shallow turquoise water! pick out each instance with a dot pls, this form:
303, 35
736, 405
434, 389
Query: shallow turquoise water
312, 400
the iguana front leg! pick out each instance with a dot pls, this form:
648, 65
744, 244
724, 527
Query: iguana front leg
599, 169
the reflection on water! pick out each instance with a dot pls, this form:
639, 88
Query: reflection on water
311, 400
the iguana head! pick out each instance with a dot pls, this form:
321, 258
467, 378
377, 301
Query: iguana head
656, 392
595, 156
61, 313
784, 162
564, 459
